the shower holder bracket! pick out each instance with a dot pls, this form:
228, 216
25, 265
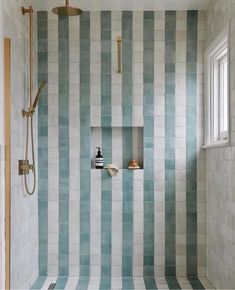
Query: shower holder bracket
25, 167
28, 113
27, 10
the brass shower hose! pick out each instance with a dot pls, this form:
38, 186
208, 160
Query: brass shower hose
32, 167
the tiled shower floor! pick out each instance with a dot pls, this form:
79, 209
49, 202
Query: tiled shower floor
135, 283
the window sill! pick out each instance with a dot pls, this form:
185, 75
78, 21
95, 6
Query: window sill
217, 145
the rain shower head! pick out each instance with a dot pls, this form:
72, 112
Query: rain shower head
67, 10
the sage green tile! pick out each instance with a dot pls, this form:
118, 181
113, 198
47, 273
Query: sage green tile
42, 28
191, 137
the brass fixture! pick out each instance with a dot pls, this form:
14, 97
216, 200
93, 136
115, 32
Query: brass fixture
67, 10
27, 10
30, 12
24, 165
32, 109
119, 54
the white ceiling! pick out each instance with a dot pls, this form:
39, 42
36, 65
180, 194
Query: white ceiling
97, 5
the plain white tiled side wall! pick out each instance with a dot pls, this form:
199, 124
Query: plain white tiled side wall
24, 210
220, 169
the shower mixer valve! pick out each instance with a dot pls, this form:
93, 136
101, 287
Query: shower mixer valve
25, 167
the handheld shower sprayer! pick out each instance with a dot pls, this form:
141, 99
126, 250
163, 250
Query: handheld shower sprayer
35, 103
41, 87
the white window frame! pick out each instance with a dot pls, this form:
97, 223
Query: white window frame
223, 106
218, 49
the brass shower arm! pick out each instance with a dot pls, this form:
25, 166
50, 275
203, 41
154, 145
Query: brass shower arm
31, 67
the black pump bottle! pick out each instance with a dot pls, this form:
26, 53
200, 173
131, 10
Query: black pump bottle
99, 160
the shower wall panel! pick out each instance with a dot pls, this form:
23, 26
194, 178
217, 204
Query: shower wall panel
142, 223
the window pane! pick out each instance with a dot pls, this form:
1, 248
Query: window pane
216, 98
223, 97
226, 96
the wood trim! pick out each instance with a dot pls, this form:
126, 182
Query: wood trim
7, 107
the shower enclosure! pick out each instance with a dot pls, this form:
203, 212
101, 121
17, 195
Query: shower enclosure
103, 231
141, 99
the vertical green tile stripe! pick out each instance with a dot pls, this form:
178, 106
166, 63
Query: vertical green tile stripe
85, 175
127, 67
150, 283
127, 176
191, 142
61, 283
196, 283
127, 145
173, 283
83, 283
127, 283
42, 26
63, 28
106, 182
148, 91
127, 223
106, 69
170, 199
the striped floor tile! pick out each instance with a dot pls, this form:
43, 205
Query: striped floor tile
122, 283
48, 282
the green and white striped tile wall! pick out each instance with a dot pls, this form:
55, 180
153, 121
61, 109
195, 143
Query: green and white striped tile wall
43, 145
143, 223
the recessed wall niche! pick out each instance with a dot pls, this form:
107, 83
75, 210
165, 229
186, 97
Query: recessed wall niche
126, 144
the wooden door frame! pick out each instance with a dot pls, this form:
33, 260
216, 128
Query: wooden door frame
7, 121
